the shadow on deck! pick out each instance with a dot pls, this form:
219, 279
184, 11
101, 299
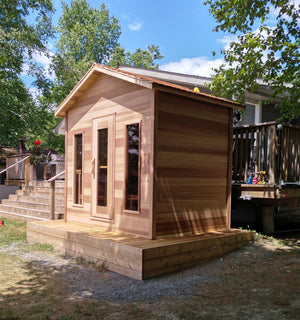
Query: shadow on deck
135, 257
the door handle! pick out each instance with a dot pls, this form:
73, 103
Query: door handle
93, 167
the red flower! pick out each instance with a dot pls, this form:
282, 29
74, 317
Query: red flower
37, 142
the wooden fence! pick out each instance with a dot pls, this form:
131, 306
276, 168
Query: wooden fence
271, 147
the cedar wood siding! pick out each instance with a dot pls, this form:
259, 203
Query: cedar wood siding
192, 161
128, 103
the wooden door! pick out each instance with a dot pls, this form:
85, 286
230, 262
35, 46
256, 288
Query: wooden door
102, 167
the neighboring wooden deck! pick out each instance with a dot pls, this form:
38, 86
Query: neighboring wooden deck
266, 191
271, 147
135, 257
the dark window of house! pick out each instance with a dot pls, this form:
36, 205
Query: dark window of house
132, 179
78, 169
102, 166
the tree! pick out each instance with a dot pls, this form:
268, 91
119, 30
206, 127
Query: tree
89, 35
140, 58
266, 48
19, 40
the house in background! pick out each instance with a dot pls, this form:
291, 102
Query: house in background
5, 153
145, 159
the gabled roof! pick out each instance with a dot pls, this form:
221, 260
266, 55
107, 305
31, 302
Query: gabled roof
140, 80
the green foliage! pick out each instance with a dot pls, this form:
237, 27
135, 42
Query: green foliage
87, 35
140, 58
270, 53
19, 40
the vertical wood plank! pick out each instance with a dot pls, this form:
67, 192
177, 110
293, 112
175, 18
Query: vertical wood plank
241, 155
257, 148
66, 164
252, 133
263, 149
236, 148
229, 167
246, 155
271, 153
153, 166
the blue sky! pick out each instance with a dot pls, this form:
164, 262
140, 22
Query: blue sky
182, 30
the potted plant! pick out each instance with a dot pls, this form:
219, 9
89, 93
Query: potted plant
38, 159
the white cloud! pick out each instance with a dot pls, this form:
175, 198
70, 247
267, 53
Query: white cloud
34, 92
200, 66
45, 62
136, 26
226, 40
42, 60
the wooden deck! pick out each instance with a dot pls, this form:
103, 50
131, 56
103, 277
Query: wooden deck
267, 191
135, 257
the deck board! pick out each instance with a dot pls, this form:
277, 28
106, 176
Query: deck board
134, 256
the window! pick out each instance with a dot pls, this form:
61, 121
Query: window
78, 169
102, 167
132, 162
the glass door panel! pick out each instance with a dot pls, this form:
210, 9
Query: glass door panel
102, 167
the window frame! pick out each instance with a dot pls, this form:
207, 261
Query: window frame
103, 213
138, 211
74, 204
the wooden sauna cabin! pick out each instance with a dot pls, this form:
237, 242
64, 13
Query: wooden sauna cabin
148, 175
146, 157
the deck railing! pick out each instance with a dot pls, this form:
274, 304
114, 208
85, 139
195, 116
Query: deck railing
18, 167
271, 147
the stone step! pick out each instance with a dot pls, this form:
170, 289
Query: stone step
31, 205
29, 212
59, 201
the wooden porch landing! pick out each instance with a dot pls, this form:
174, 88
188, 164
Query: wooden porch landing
135, 257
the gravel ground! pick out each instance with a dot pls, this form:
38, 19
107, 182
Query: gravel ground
259, 281
87, 282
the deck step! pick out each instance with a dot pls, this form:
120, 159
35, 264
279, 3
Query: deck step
42, 200
28, 212
45, 194
41, 189
132, 256
58, 184
32, 202
31, 205
22, 217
